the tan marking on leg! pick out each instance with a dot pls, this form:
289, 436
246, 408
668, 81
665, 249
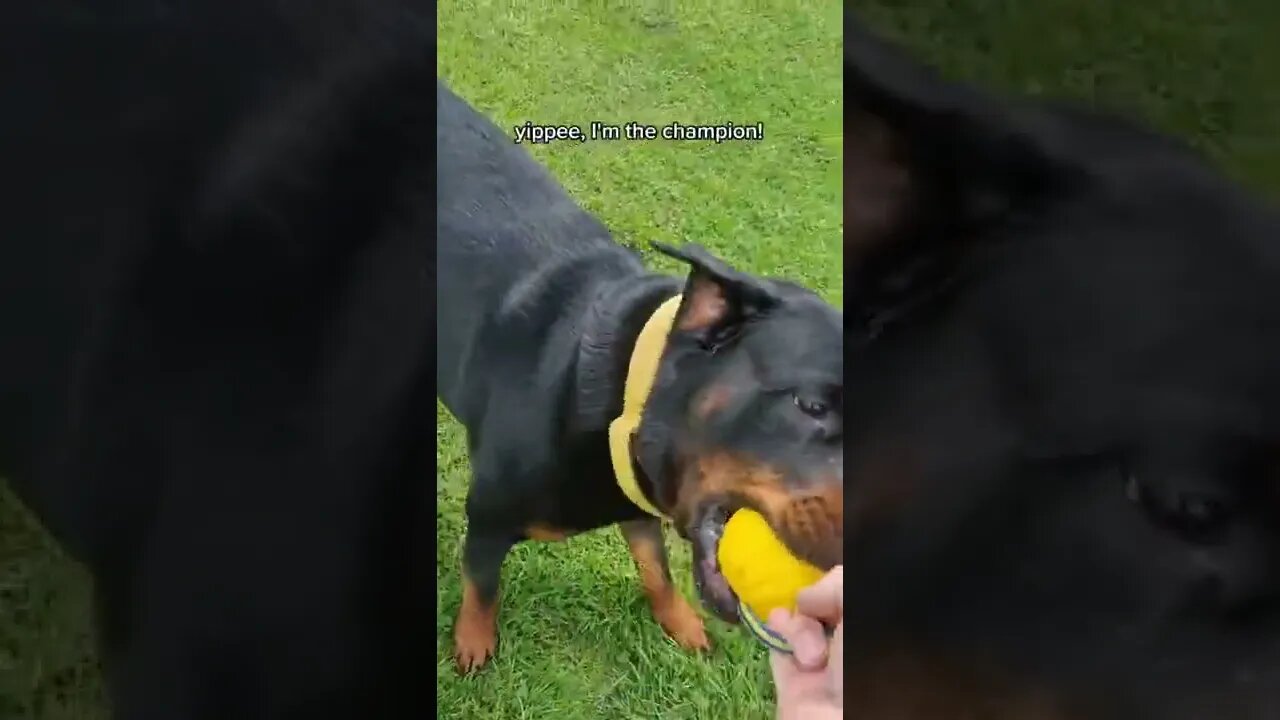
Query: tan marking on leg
546, 533
673, 612
475, 633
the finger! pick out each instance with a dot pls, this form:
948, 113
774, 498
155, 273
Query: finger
824, 599
835, 665
794, 685
805, 635
787, 675
784, 669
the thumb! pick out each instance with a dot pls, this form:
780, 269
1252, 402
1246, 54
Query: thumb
824, 599
805, 635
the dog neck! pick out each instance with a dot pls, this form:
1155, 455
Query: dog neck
641, 373
610, 328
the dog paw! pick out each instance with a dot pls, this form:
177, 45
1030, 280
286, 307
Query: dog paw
682, 624
472, 650
475, 638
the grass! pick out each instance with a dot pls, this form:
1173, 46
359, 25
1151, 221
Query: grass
1199, 69
47, 666
577, 638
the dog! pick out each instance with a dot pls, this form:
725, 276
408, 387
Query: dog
216, 319
541, 322
1064, 499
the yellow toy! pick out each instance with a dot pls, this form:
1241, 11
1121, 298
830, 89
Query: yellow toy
762, 572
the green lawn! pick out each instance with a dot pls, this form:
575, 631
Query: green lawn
47, 665
577, 638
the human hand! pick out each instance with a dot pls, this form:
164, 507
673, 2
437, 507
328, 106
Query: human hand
810, 681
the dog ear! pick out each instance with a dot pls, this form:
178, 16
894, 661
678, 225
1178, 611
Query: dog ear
929, 163
717, 298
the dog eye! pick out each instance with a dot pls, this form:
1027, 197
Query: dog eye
812, 407
1202, 515
1197, 516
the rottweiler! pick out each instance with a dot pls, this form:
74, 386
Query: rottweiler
215, 343
1064, 365
538, 327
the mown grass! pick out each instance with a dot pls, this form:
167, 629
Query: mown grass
577, 638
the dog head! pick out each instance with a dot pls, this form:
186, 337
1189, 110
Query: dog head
747, 410
1064, 345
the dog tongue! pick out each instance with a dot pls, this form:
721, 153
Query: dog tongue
717, 592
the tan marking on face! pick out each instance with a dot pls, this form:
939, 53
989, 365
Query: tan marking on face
814, 525
711, 401
809, 521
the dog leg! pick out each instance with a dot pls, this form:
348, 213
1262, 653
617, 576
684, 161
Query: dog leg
475, 633
676, 616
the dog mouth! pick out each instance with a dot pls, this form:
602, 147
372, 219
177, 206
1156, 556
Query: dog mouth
705, 534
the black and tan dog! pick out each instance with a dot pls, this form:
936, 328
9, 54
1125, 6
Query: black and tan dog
217, 271
542, 322
1064, 499
216, 313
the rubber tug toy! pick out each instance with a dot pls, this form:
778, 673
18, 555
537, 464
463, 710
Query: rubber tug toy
762, 572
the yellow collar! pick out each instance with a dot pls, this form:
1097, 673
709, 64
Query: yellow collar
641, 373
